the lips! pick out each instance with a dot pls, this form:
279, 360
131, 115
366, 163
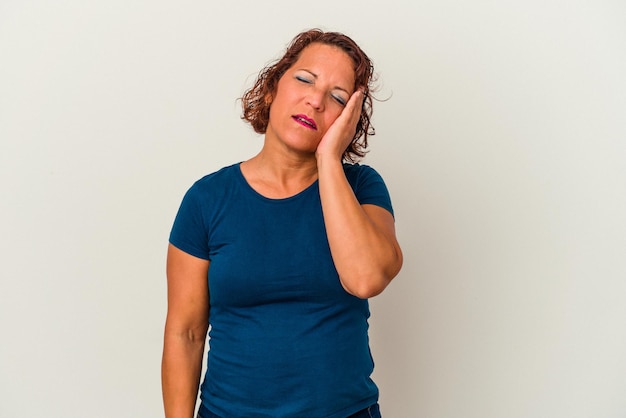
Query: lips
305, 121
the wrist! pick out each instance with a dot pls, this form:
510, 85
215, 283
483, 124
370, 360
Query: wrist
325, 161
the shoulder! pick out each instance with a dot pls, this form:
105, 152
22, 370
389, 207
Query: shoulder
216, 181
212, 187
368, 186
356, 168
223, 174
359, 174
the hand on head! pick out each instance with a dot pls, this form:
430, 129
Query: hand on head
341, 132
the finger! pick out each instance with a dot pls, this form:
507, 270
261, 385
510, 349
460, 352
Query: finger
353, 107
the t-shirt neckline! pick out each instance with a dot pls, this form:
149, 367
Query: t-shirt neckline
242, 178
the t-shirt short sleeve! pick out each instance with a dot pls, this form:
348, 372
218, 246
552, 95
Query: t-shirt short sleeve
369, 187
189, 232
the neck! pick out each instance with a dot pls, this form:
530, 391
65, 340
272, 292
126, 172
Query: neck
278, 175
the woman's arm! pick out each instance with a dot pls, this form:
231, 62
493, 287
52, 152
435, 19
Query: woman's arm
185, 332
362, 238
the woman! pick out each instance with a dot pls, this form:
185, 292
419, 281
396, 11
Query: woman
293, 242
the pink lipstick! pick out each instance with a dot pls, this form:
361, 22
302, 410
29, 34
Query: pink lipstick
305, 121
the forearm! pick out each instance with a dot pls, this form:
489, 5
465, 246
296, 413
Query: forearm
180, 372
365, 254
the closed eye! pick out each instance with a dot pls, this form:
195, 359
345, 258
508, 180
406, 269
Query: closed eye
339, 99
303, 79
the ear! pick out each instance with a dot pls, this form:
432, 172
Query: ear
268, 98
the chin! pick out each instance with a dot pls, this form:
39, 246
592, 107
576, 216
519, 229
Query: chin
304, 146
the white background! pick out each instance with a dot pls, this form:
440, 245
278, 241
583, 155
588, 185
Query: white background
502, 143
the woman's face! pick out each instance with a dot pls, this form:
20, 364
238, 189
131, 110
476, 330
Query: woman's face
310, 96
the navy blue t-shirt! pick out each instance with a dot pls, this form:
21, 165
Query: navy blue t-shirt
286, 340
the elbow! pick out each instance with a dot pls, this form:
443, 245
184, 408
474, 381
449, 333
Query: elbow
186, 332
366, 292
365, 286
367, 281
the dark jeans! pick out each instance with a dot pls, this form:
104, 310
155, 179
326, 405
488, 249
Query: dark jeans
369, 412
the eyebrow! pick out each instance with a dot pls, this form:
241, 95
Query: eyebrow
315, 76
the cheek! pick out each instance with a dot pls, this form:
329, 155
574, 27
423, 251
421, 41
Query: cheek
331, 117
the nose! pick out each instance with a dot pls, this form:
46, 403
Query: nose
315, 99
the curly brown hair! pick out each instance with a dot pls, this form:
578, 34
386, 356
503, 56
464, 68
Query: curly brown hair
257, 100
